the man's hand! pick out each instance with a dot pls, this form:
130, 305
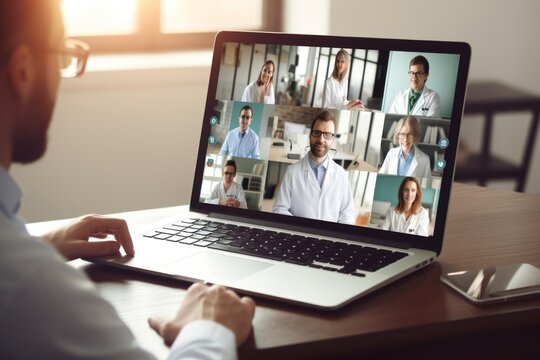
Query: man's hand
213, 303
72, 240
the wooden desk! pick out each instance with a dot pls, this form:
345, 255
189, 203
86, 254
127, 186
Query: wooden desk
417, 316
487, 98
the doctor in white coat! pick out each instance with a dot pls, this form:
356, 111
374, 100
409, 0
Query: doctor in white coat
418, 99
406, 159
316, 187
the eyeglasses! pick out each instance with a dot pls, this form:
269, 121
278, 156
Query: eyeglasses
245, 117
229, 173
417, 74
404, 135
72, 57
317, 133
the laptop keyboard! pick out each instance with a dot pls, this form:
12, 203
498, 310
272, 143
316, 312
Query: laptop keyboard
273, 245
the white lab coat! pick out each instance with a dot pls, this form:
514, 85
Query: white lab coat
301, 195
251, 94
416, 225
235, 191
429, 103
335, 94
420, 165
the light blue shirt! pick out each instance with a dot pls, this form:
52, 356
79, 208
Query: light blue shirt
241, 145
404, 164
10, 199
319, 169
46, 317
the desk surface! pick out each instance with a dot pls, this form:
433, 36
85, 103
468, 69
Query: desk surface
486, 227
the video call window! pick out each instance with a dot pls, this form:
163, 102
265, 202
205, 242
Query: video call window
269, 95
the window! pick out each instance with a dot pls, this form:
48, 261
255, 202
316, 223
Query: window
152, 25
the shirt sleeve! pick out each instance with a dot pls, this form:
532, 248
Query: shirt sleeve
241, 196
282, 202
204, 340
214, 195
57, 314
225, 147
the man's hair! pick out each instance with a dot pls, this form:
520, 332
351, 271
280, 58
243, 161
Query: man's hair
324, 115
230, 163
417, 203
413, 124
259, 80
27, 21
246, 107
420, 60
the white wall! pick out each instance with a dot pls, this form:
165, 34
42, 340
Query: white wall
116, 135
119, 141
504, 40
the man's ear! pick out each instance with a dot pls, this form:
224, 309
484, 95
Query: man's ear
21, 72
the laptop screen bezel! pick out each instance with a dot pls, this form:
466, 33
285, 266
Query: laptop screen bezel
349, 232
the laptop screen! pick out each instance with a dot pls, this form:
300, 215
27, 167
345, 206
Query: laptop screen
350, 137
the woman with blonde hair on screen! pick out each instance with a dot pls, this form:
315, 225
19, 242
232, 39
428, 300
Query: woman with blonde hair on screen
406, 159
262, 89
408, 216
336, 87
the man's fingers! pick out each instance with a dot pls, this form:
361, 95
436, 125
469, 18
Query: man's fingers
82, 248
100, 225
250, 304
157, 324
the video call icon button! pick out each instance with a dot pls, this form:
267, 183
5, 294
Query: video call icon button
440, 164
211, 139
443, 143
213, 120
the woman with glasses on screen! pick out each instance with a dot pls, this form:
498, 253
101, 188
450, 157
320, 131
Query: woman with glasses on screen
262, 89
406, 159
408, 216
228, 192
336, 87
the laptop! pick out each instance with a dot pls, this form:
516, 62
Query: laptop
266, 226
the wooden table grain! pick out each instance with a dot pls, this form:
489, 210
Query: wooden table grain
417, 316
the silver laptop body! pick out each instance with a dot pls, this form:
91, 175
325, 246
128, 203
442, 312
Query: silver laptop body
212, 243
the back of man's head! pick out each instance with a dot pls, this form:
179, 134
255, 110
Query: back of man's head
24, 21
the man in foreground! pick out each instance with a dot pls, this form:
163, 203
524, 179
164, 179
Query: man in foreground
48, 310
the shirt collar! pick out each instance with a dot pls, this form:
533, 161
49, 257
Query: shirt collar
10, 194
411, 154
313, 164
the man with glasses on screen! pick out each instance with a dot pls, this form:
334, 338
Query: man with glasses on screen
49, 310
418, 99
242, 141
316, 187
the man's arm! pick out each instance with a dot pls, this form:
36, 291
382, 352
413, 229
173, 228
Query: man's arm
282, 203
225, 147
347, 213
435, 107
255, 154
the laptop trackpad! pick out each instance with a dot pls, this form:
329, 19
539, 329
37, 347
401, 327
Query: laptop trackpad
214, 267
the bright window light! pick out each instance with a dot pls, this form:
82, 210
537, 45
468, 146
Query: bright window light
100, 17
188, 16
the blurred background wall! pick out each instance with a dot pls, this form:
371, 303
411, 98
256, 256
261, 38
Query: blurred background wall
126, 139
